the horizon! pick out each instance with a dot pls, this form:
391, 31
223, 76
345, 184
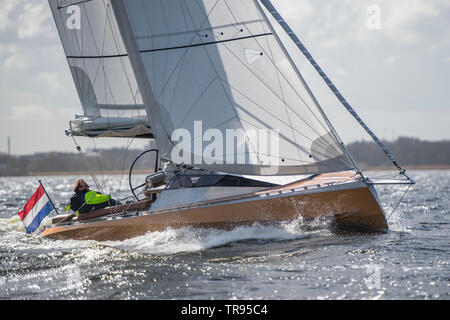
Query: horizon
392, 67
367, 140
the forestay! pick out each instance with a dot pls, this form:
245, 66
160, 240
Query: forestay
217, 64
99, 63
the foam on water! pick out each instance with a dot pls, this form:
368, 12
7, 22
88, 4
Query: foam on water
187, 239
399, 221
169, 241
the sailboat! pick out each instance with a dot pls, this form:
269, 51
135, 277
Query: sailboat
241, 137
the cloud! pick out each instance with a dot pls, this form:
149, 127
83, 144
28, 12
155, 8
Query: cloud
401, 18
341, 72
296, 10
27, 113
334, 23
7, 8
392, 59
14, 58
50, 80
34, 20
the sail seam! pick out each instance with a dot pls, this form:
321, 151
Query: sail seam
98, 57
72, 4
205, 43
172, 48
243, 23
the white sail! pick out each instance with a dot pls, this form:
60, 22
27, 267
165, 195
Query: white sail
105, 82
200, 59
200, 65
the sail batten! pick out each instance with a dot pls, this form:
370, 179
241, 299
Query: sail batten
205, 43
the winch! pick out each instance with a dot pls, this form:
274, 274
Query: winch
156, 179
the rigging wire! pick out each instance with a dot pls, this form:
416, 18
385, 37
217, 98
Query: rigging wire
83, 157
123, 168
105, 190
401, 199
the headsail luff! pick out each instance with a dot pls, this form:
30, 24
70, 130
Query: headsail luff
218, 62
105, 82
269, 6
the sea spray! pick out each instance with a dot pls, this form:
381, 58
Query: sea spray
188, 239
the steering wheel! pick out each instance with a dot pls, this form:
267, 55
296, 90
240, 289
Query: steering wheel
133, 189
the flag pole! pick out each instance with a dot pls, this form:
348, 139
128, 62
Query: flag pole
50, 199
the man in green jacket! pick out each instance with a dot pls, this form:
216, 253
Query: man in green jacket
85, 200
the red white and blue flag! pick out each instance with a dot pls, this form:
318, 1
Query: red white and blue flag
36, 209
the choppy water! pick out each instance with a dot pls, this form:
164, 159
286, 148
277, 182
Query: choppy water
282, 261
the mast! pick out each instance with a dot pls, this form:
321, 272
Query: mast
268, 5
125, 28
9, 146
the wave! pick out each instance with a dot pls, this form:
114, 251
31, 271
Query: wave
189, 239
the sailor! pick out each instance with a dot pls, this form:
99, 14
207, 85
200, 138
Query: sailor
85, 200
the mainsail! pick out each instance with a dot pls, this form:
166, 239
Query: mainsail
100, 67
218, 64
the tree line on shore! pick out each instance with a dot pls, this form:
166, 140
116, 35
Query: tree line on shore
107, 160
408, 152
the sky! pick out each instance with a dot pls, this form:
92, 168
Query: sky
389, 58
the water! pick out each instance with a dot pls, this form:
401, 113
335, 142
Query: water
281, 261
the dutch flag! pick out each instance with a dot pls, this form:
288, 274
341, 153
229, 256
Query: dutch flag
36, 209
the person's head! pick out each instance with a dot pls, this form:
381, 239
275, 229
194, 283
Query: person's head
80, 185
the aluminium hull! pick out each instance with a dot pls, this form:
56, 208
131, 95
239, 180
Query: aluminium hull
352, 206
